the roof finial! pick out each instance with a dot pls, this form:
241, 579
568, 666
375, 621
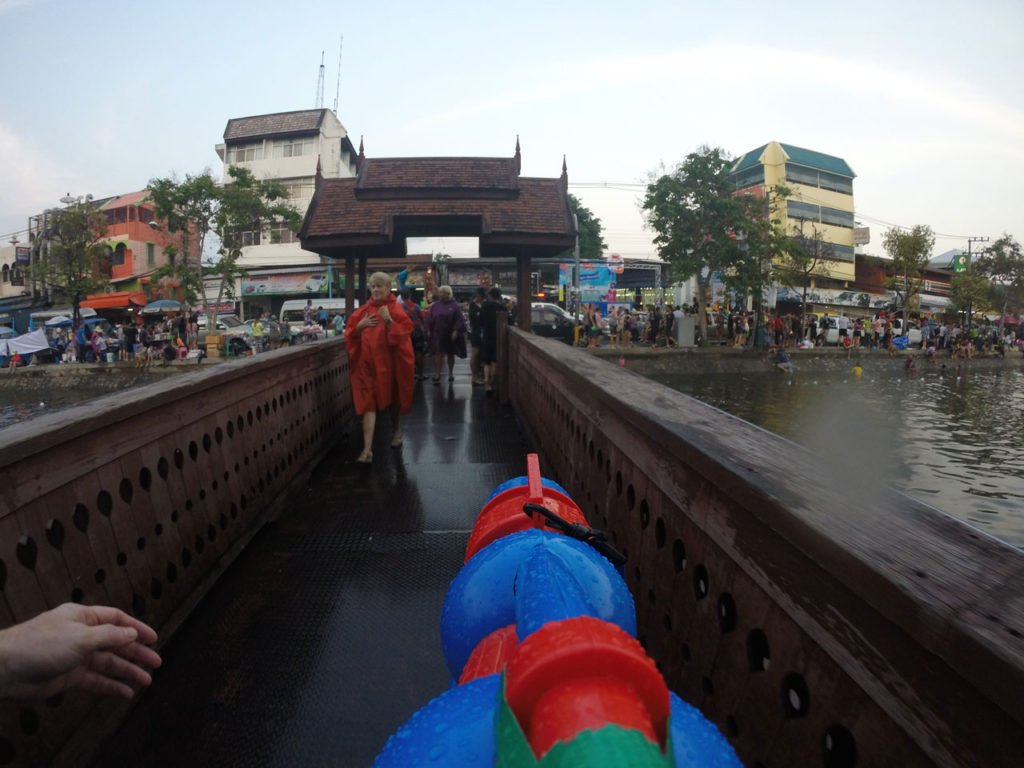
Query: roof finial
518, 158
362, 157
565, 173
319, 174
361, 145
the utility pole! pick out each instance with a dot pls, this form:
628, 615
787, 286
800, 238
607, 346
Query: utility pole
576, 280
970, 307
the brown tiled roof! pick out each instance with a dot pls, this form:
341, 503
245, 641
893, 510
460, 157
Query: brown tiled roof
491, 174
281, 123
540, 208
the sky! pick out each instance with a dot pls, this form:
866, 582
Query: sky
924, 100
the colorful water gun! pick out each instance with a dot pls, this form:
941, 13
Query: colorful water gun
538, 631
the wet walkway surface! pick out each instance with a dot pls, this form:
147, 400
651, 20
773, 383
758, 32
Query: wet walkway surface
323, 636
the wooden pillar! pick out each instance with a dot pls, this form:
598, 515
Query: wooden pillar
363, 284
350, 284
524, 291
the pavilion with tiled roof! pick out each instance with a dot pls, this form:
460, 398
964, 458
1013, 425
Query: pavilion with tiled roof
389, 200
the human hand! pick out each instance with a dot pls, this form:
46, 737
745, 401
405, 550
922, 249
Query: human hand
369, 320
96, 648
455, 335
384, 314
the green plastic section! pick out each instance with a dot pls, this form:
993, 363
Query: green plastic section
609, 747
513, 749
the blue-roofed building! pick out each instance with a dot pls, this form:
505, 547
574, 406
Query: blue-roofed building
821, 199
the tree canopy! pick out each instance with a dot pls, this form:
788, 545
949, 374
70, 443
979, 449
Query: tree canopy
76, 262
703, 229
242, 208
910, 251
592, 244
1003, 264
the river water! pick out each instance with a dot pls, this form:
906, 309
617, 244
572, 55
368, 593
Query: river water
952, 438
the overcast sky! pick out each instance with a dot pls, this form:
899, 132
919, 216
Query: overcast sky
924, 100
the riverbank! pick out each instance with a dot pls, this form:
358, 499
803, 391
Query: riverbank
105, 377
728, 360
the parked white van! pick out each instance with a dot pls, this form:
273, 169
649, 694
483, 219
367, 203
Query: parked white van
292, 311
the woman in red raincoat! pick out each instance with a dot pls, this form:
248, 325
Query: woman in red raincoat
381, 361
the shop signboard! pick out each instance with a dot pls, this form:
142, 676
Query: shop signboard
597, 280
294, 283
22, 255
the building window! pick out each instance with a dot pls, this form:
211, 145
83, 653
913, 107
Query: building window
801, 211
293, 147
836, 217
812, 177
749, 177
808, 212
282, 235
6, 274
245, 153
298, 189
251, 237
117, 255
841, 252
150, 255
835, 182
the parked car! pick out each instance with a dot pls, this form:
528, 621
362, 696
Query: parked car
229, 326
552, 321
276, 334
913, 331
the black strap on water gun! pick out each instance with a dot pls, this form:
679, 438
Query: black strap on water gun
595, 538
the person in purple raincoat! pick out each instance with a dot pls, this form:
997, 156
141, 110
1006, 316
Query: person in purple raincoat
447, 329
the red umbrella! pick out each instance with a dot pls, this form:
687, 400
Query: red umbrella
1010, 320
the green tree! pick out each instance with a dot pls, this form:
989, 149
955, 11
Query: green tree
74, 262
910, 251
1003, 263
702, 229
592, 244
237, 213
187, 209
970, 290
805, 255
247, 207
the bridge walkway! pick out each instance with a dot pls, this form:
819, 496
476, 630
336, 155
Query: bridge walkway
322, 637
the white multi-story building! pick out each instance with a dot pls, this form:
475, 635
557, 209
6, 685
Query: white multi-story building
286, 147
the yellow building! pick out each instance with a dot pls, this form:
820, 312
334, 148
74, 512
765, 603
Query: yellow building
821, 199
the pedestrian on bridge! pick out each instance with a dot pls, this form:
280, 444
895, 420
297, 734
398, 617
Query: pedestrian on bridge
378, 337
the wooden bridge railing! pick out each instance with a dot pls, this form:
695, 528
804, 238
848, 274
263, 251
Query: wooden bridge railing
142, 498
815, 625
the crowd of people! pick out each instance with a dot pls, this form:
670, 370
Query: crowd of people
391, 338
170, 338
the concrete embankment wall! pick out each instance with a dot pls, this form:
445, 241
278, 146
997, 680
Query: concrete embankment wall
142, 497
815, 620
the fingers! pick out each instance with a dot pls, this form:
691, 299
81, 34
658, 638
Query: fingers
97, 683
141, 655
115, 668
108, 615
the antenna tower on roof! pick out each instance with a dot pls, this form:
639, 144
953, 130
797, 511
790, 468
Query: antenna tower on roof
337, 89
320, 84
